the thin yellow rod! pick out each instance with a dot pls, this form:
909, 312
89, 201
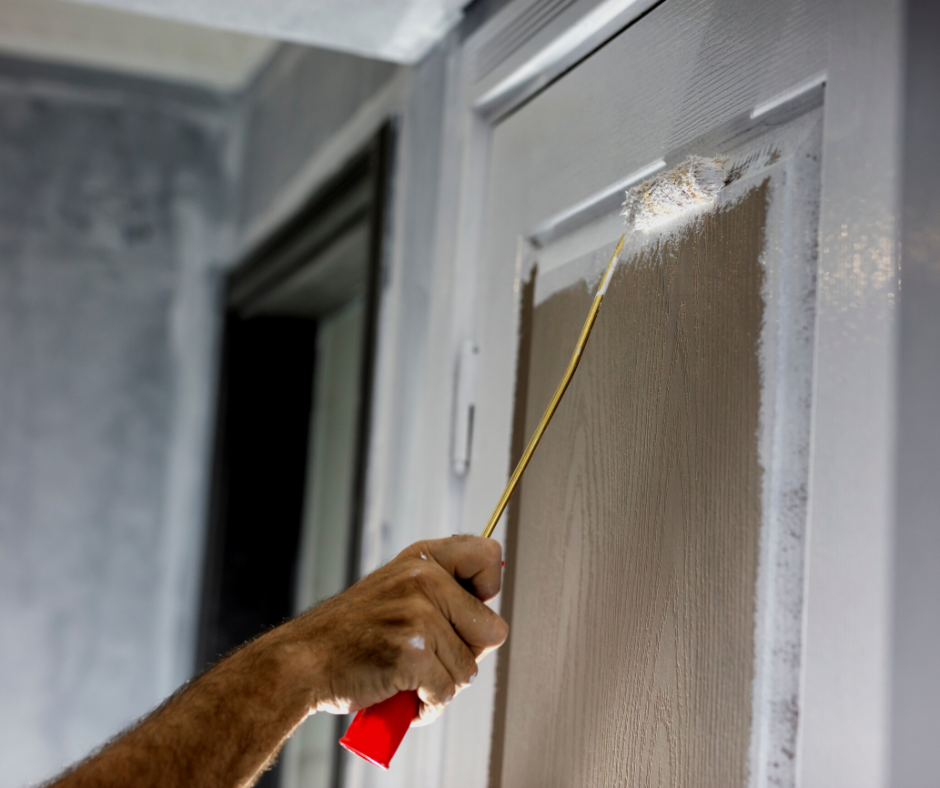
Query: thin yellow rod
559, 393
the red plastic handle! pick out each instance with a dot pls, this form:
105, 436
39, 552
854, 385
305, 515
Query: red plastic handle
376, 732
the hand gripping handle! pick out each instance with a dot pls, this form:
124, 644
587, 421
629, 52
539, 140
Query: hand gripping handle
376, 732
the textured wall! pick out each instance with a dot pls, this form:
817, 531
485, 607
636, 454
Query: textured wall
633, 612
111, 205
118, 198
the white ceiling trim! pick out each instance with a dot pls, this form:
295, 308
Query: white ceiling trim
398, 30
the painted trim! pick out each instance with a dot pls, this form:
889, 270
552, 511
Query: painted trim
606, 200
789, 96
591, 29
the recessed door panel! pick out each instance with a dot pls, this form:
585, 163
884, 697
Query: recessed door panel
637, 549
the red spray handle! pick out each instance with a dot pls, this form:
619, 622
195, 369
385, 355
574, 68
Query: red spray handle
376, 732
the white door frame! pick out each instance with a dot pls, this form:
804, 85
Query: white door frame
845, 685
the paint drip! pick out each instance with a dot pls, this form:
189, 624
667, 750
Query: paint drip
691, 186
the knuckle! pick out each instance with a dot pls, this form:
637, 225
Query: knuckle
422, 576
447, 691
482, 611
469, 667
493, 550
439, 689
426, 614
414, 550
441, 681
413, 584
500, 629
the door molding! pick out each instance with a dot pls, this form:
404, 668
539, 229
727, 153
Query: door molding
844, 683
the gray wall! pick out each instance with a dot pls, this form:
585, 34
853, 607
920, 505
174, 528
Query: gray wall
915, 757
114, 206
120, 207
297, 103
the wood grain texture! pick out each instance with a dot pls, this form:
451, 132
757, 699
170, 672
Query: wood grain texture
633, 617
519, 440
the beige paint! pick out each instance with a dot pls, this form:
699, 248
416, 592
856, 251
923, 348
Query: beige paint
633, 613
82, 35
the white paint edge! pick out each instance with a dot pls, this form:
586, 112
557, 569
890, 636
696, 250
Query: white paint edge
788, 96
586, 205
787, 351
609, 275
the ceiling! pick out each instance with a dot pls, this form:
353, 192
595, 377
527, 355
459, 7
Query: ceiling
397, 30
220, 44
69, 33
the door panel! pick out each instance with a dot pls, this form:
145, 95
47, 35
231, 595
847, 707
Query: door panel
657, 555
656, 558
638, 536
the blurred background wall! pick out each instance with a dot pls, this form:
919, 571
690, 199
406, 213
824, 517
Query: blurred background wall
124, 197
141, 159
116, 200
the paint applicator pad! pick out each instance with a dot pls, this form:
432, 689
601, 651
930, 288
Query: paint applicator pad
685, 189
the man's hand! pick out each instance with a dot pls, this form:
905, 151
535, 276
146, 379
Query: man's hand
408, 626
417, 623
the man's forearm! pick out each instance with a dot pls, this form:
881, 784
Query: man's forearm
406, 626
223, 729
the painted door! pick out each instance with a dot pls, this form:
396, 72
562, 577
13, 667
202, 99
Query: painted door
655, 588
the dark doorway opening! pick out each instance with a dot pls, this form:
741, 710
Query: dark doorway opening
325, 257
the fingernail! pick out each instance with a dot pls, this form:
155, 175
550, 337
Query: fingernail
448, 699
472, 679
